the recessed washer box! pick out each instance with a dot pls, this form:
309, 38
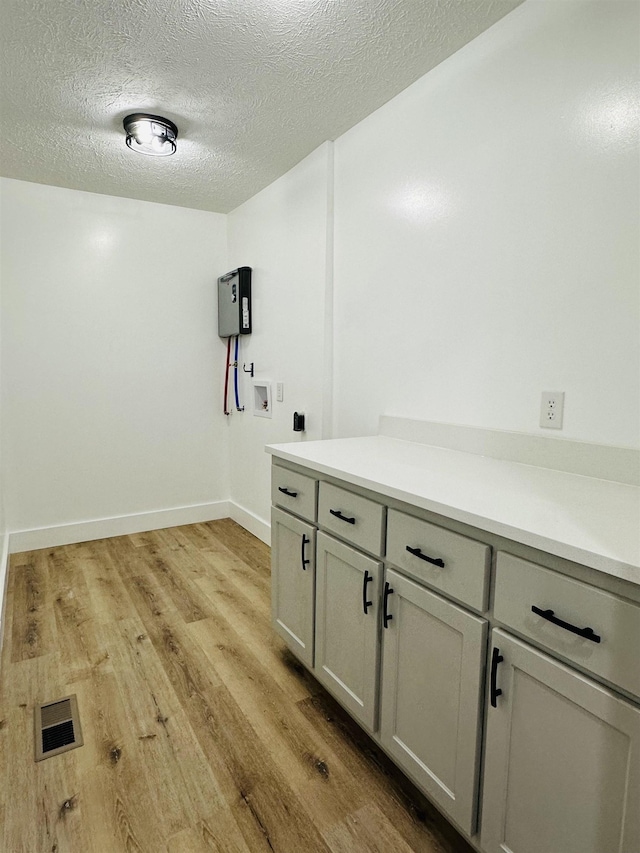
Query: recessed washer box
262, 398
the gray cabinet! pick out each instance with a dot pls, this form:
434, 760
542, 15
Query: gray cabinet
294, 492
560, 752
431, 694
562, 760
347, 620
358, 520
594, 629
452, 564
293, 566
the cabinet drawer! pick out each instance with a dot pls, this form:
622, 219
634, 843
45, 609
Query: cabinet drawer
454, 564
610, 651
294, 492
352, 517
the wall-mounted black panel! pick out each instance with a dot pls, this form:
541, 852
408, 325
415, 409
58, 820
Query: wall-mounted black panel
234, 303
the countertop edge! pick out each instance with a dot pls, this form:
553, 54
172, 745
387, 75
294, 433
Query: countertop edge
606, 565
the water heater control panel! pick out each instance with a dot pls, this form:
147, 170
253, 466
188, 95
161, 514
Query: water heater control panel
234, 303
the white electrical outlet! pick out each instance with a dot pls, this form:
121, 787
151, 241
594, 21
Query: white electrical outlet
279, 391
551, 409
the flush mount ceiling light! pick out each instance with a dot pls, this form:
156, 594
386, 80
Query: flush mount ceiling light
149, 134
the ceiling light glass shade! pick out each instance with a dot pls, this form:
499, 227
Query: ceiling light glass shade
149, 134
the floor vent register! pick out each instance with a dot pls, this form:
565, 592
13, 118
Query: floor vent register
57, 727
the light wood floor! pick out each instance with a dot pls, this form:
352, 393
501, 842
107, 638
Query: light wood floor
200, 731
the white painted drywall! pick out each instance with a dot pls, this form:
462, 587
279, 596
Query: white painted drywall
254, 86
282, 234
486, 234
4, 539
111, 368
485, 250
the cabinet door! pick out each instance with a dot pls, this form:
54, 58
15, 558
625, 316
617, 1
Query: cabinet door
293, 567
347, 637
432, 676
562, 760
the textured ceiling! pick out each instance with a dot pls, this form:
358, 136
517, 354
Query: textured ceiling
253, 85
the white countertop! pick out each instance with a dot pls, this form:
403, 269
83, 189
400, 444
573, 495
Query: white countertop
590, 521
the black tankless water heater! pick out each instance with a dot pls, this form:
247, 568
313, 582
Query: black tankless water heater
234, 303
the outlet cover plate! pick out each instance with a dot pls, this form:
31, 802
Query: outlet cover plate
552, 409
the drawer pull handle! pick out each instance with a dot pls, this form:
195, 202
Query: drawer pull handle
586, 633
496, 658
386, 616
342, 517
418, 553
366, 604
286, 492
305, 563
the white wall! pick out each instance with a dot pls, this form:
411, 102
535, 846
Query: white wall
4, 539
486, 234
486, 249
284, 234
111, 368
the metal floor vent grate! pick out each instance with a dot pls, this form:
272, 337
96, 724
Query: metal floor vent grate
57, 727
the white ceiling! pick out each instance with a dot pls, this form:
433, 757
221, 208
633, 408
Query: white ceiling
253, 85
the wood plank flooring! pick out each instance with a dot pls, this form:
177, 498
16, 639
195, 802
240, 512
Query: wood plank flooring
201, 731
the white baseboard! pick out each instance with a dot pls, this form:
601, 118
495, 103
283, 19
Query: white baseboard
103, 528
4, 577
251, 522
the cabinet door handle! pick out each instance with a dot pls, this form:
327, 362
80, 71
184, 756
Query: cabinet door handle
496, 658
418, 553
305, 563
587, 633
386, 616
286, 492
366, 604
342, 517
